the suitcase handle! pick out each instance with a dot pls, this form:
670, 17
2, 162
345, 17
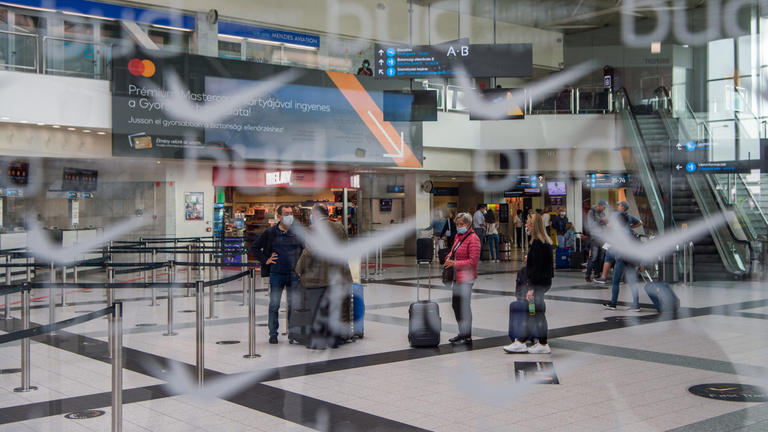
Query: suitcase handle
418, 281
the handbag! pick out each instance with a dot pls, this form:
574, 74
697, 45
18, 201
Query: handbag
449, 273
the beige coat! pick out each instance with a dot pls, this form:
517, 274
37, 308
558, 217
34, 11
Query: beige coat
314, 271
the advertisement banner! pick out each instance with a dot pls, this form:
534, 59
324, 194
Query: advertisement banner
189, 106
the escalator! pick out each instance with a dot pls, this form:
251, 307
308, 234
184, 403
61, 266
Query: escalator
723, 255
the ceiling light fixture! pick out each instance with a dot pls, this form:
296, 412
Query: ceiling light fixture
86, 131
101, 133
71, 129
41, 124
56, 126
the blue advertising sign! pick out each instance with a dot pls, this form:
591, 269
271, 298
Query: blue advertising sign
268, 34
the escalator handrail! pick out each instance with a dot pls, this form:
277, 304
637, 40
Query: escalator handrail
622, 93
664, 92
700, 199
755, 202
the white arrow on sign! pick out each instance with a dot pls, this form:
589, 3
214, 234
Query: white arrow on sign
381, 62
401, 151
381, 52
381, 71
679, 167
679, 146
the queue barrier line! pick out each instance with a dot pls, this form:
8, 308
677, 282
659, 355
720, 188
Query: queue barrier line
49, 328
97, 285
228, 279
114, 311
139, 269
8, 290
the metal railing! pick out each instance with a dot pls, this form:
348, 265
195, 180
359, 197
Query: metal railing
641, 161
80, 58
9, 51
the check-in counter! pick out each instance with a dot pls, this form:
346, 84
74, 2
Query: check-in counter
67, 238
14, 240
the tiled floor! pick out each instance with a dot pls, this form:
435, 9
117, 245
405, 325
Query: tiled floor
617, 370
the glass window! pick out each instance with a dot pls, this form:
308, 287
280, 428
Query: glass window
720, 59
230, 49
170, 40
263, 53
300, 57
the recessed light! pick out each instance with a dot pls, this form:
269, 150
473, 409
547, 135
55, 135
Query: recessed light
86, 131
71, 129
56, 126
101, 133
158, 162
5, 118
41, 124
23, 121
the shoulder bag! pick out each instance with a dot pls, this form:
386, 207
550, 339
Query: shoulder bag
449, 273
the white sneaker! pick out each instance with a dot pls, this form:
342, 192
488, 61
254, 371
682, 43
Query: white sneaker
539, 349
516, 347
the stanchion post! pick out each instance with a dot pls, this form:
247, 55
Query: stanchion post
251, 315
25, 359
116, 339
63, 290
200, 332
189, 265
52, 297
154, 270
74, 273
246, 283
110, 302
169, 331
7, 306
690, 263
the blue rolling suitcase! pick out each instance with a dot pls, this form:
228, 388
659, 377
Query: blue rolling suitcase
562, 258
358, 311
663, 298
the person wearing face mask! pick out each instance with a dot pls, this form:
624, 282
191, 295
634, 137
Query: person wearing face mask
464, 258
365, 70
326, 285
278, 249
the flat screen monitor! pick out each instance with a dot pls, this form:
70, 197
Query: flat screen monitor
385, 205
556, 188
410, 106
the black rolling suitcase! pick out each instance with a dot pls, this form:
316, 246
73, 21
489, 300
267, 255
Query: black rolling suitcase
663, 298
303, 317
578, 257
425, 249
424, 323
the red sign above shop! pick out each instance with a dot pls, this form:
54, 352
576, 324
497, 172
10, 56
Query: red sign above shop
283, 178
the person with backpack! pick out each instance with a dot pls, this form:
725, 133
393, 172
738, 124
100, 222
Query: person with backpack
540, 269
464, 258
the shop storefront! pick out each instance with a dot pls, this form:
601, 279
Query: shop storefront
247, 199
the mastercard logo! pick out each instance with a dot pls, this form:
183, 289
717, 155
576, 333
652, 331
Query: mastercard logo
143, 68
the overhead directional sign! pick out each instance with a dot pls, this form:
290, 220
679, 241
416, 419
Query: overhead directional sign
479, 60
693, 157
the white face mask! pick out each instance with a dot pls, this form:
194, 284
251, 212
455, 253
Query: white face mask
288, 220
562, 213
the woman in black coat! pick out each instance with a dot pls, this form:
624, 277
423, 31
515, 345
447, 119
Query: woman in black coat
539, 271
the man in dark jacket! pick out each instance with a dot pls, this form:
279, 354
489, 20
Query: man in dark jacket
278, 250
449, 230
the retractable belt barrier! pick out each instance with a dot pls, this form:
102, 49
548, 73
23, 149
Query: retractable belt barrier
115, 340
49, 328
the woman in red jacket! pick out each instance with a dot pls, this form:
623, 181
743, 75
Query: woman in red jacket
464, 257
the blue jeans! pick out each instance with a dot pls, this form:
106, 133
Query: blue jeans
278, 281
493, 242
631, 272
